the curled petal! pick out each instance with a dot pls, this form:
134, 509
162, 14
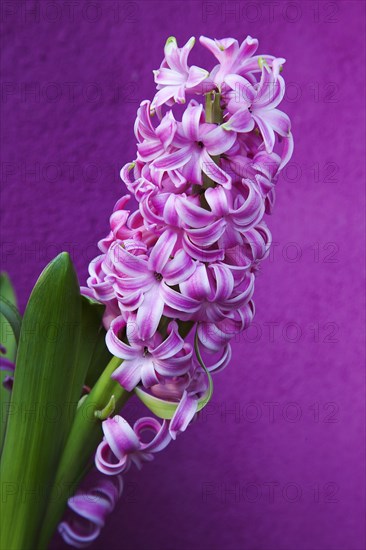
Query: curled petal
213, 171
128, 374
207, 236
126, 263
279, 121
212, 337
288, 149
148, 374
163, 96
219, 140
88, 511
183, 415
161, 433
198, 285
106, 463
191, 119
196, 76
204, 255
115, 345
120, 436
174, 160
224, 282
178, 301
179, 268
192, 214
171, 345
223, 361
240, 121
266, 130
271, 90
149, 313
162, 250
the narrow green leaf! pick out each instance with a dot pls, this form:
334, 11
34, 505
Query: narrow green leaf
91, 319
6, 288
7, 339
46, 390
101, 357
11, 314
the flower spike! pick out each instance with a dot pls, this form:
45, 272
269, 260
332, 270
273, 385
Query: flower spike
204, 178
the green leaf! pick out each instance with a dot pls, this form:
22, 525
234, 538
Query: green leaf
98, 352
101, 357
91, 318
47, 386
6, 288
7, 339
11, 314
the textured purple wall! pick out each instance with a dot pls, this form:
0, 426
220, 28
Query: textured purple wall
277, 460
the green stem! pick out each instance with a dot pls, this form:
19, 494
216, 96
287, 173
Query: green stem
213, 113
213, 109
85, 435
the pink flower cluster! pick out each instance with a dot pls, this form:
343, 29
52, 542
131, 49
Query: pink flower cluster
187, 257
191, 250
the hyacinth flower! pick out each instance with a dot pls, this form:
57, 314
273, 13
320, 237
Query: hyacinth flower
172, 287
88, 510
197, 142
175, 78
124, 443
146, 358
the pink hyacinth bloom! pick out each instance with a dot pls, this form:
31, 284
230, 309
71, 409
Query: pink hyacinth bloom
187, 390
140, 280
88, 510
197, 229
145, 360
232, 57
188, 256
241, 209
209, 294
122, 444
214, 336
250, 105
174, 77
197, 142
153, 142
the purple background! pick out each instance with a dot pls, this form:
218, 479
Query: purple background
277, 460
